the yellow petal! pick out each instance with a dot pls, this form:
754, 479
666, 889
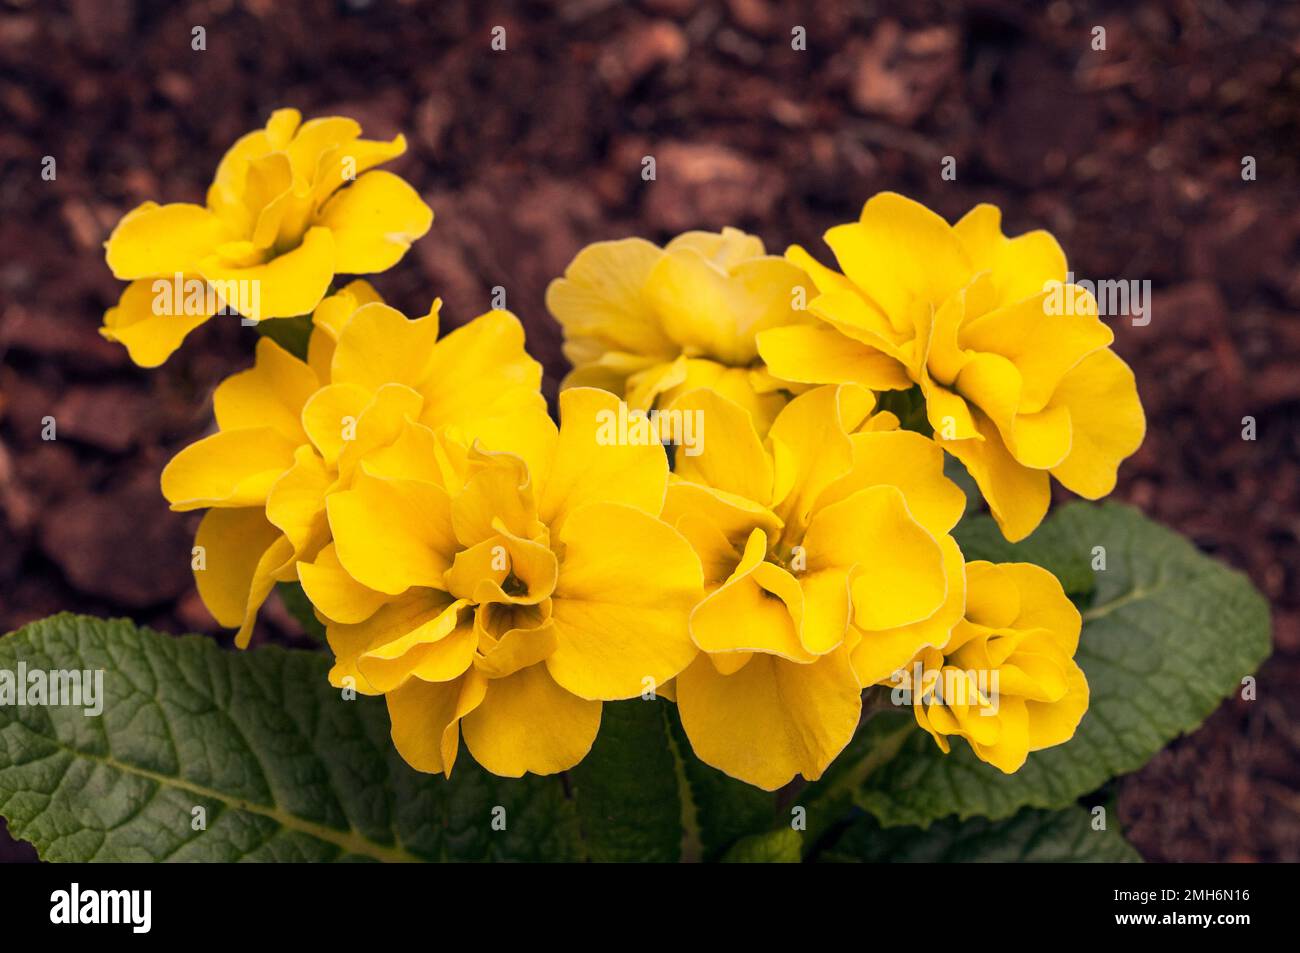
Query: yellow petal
149, 336
899, 251
231, 468
772, 719
288, 285
910, 462
1054, 723
1020, 266
753, 611
716, 524
426, 719
879, 653
528, 723
731, 457
900, 577
380, 345
1017, 496
1043, 604
313, 138
296, 503
232, 542
333, 592
157, 239
1042, 346
826, 279
481, 372
1106, 419
330, 418
517, 648
328, 320
374, 221
601, 298
270, 394
822, 355
392, 534
345, 161
379, 424
714, 311
627, 584
416, 617
592, 464
811, 448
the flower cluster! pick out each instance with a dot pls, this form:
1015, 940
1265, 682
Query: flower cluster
496, 577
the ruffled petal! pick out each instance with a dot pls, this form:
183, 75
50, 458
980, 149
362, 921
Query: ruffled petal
528, 723
374, 221
772, 719
627, 585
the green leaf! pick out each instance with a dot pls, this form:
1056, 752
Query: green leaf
626, 789
299, 606
828, 800
292, 334
781, 846
721, 809
1168, 634
1030, 836
283, 766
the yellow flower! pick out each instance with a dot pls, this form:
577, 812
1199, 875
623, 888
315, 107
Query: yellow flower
506, 594
277, 227
828, 563
291, 432
1007, 681
1016, 387
650, 323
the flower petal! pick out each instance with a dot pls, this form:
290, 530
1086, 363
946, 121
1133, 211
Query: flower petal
334, 593
155, 239
374, 221
148, 335
426, 719
1017, 495
772, 719
286, 286
270, 394
900, 577
601, 298
1107, 423
899, 251
627, 585
591, 464
822, 355
231, 468
528, 723
392, 534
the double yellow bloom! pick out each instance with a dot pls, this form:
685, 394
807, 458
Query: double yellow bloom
498, 577
1013, 390
292, 432
277, 227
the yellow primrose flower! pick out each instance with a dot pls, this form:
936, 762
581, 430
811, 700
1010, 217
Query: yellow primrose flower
650, 323
828, 563
1017, 384
277, 227
290, 433
506, 595
1007, 681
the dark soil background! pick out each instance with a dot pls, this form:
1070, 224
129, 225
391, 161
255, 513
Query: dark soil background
1131, 156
